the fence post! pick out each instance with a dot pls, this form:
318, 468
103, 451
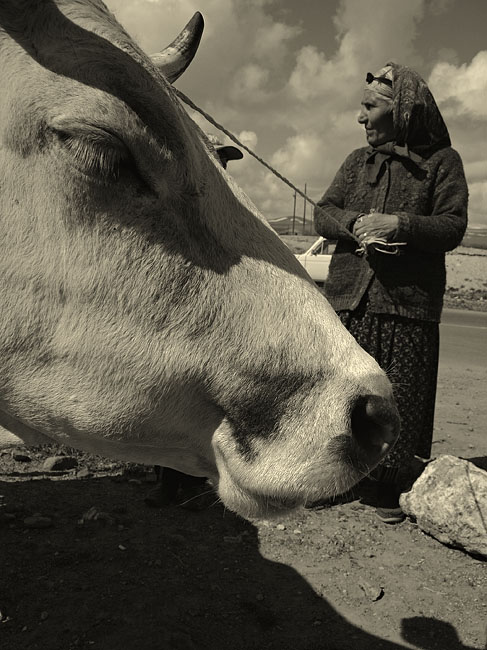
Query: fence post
294, 214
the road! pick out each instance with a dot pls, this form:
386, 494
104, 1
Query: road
463, 339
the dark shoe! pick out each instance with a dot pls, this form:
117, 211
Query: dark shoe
390, 515
388, 509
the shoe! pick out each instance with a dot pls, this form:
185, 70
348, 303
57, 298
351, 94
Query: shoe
388, 509
390, 515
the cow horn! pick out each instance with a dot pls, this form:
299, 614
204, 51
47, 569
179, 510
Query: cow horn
176, 57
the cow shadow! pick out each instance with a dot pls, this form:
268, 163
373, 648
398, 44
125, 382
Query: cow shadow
430, 634
479, 461
133, 577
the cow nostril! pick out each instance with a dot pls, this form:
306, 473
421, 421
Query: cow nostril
375, 426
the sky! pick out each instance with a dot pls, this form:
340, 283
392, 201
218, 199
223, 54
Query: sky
286, 78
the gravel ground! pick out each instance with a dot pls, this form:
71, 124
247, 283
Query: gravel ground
467, 279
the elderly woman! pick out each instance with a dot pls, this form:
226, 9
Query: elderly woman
395, 207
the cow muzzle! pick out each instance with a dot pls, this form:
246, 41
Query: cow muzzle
375, 428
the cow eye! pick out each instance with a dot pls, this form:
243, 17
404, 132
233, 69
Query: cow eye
98, 154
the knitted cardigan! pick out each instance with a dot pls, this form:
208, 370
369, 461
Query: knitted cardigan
430, 198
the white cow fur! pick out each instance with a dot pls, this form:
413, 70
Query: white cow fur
147, 311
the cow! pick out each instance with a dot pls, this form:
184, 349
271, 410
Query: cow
148, 312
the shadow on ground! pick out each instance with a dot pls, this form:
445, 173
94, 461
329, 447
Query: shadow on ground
145, 579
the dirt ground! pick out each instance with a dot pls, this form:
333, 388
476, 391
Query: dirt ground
109, 572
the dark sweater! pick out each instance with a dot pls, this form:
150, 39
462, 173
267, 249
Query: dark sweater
430, 198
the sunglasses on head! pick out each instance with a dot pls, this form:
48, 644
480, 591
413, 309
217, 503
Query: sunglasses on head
384, 80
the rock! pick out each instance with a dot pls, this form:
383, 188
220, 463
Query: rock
449, 502
37, 521
84, 473
59, 463
93, 514
3, 617
21, 458
372, 592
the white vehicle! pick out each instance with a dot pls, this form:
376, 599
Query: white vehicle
317, 259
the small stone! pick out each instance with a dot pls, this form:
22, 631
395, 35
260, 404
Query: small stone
59, 463
37, 521
296, 531
22, 458
175, 538
122, 547
84, 473
281, 527
372, 592
93, 514
44, 616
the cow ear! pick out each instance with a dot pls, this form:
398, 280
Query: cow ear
176, 57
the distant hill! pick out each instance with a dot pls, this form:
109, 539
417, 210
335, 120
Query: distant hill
475, 237
284, 225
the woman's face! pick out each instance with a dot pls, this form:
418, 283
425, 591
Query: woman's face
376, 116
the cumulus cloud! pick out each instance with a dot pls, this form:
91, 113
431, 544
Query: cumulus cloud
249, 138
461, 90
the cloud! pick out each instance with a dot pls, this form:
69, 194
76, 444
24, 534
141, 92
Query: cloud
249, 138
477, 202
461, 90
250, 81
437, 7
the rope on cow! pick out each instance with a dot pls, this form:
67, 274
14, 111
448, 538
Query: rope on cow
232, 137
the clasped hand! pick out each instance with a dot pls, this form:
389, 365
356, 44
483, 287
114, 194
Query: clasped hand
376, 225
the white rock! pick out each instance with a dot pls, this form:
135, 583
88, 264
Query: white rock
449, 502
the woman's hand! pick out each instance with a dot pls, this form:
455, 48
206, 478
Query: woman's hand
376, 225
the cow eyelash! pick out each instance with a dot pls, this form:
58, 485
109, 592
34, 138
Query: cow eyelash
96, 158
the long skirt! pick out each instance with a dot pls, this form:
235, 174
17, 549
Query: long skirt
407, 350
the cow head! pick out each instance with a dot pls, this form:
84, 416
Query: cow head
147, 310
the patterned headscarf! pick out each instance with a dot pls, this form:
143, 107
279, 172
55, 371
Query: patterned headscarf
418, 122
418, 125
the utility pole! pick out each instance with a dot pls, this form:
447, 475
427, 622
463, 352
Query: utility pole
304, 212
294, 214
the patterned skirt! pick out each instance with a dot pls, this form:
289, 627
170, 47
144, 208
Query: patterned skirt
408, 351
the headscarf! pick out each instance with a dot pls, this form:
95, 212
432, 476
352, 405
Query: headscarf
418, 125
